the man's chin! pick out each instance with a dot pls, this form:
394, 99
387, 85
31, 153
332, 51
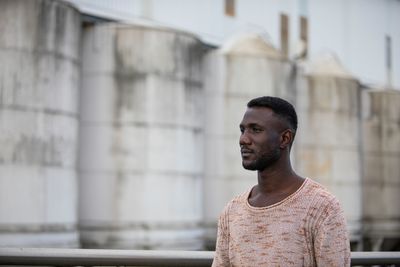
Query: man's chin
250, 167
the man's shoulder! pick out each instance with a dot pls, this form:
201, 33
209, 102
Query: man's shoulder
322, 197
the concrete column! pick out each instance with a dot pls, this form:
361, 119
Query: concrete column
141, 138
244, 68
328, 144
381, 164
39, 80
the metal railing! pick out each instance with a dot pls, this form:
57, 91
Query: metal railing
107, 257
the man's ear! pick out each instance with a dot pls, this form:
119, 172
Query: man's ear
286, 138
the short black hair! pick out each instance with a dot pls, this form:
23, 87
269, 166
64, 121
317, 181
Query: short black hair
281, 108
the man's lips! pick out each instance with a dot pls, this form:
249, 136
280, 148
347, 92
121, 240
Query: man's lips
246, 152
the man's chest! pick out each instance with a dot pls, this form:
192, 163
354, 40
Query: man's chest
283, 240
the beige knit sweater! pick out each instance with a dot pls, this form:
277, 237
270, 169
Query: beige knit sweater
305, 229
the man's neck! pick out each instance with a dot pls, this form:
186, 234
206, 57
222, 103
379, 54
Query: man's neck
274, 184
276, 176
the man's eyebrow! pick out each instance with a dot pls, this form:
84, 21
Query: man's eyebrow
251, 124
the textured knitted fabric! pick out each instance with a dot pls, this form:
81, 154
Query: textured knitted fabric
305, 229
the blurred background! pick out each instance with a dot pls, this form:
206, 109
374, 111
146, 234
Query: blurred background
119, 118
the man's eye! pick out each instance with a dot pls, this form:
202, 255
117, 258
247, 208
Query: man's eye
256, 130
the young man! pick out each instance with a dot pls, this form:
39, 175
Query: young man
284, 220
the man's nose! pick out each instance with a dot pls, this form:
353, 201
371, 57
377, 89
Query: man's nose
244, 139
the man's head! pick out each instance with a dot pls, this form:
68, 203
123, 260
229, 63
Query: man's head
279, 106
267, 132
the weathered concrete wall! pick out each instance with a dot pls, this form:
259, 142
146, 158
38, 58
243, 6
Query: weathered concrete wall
381, 165
141, 138
328, 145
244, 68
39, 80
159, 136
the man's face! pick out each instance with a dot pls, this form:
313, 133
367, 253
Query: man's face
260, 138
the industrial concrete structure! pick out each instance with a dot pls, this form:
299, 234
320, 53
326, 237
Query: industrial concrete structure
151, 116
328, 145
363, 33
141, 138
381, 168
39, 84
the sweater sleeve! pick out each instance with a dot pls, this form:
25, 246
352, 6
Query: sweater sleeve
331, 245
221, 258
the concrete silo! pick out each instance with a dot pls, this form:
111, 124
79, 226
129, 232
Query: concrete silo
381, 169
328, 143
141, 138
39, 81
244, 68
